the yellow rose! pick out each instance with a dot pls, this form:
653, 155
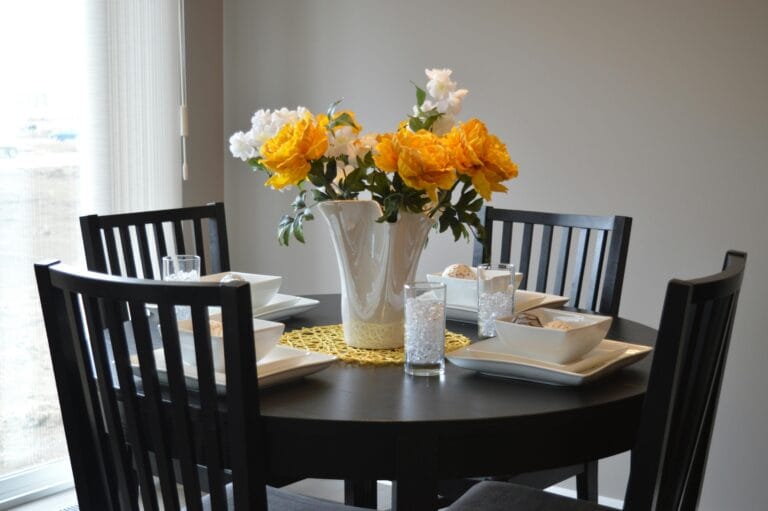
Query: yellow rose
420, 158
289, 153
481, 156
385, 153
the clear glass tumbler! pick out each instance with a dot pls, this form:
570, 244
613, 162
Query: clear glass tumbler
181, 267
185, 268
495, 296
425, 328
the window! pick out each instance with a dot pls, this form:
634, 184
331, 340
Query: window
88, 124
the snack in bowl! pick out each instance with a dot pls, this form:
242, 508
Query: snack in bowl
266, 334
461, 285
459, 271
263, 287
551, 335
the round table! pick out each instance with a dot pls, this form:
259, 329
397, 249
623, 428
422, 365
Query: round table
360, 423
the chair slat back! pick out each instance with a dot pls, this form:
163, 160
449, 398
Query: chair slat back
669, 458
590, 253
129, 422
144, 240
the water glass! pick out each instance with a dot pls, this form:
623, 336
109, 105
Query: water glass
181, 267
425, 328
185, 268
495, 296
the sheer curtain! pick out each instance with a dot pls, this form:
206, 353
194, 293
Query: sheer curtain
104, 75
133, 160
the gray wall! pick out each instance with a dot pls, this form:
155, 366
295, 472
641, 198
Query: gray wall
654, 110
205, 92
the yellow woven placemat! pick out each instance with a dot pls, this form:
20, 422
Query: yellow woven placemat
329, 339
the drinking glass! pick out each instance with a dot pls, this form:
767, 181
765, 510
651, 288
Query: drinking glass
495, 296
181, 267
185, 268
424, 328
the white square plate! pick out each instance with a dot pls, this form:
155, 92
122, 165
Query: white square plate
282, 364
279, 308
489, 357
524, 300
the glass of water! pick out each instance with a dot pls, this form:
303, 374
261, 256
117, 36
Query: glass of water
181, 267
425, 328
495, 296
184, 268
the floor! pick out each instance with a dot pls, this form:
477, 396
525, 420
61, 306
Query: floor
322, 488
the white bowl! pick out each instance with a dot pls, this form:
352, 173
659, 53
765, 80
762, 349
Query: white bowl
266, 335
263, 287
552, 344
462, 292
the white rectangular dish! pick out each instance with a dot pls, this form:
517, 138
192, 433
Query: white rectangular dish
282, 364
279, 308
263, 287
462, 292
266, 334
489, 357
560, 338
524, 300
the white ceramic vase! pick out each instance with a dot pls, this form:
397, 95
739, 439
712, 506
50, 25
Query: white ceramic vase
375, 261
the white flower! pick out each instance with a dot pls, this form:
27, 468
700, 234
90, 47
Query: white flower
440, 83
341, 142
443, 124
454, 101
241, 146
266, 123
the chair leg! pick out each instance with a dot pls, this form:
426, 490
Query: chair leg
586, 482
361, 493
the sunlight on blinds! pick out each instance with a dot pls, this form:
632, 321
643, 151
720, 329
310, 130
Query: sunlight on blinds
134, 113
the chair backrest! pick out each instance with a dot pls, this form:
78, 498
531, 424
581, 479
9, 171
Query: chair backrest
670, 454
115, 396
591, 253
133, 244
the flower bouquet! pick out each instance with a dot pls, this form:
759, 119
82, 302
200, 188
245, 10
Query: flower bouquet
379, 193
431, 164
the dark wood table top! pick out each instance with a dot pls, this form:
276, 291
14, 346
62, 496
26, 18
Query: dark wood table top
373, 422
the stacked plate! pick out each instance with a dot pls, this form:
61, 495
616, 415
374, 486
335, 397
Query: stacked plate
276, 363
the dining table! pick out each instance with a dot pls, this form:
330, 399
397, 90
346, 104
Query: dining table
362, 423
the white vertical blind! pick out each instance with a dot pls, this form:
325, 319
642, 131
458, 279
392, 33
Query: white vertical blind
133, 99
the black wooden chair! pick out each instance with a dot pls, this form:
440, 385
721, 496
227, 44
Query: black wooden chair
589, 266
116, 404
133, 244
591, 254
670, 454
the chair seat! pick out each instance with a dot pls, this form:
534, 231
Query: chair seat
281, 500
498, 496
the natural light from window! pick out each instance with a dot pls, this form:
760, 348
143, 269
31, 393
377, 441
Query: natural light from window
41, 98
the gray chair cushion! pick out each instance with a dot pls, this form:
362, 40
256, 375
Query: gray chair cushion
281, 500
498, 496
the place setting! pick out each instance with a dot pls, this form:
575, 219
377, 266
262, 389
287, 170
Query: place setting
523, 335
276, 363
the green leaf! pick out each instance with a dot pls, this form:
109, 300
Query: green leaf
343, 120
330, 172
332, 108
415, 124
458, 229
476, 205
299, 201
421, 95
319, 196
298, 230
430, 121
